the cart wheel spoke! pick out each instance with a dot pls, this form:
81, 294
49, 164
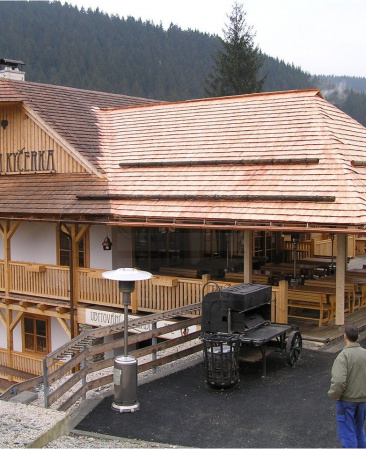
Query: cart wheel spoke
293, 348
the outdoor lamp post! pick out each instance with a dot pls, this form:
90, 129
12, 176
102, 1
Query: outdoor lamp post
125, 367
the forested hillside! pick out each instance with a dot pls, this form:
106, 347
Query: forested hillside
61, 44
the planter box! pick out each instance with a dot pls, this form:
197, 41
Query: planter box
165, 281
95, 274
35, 268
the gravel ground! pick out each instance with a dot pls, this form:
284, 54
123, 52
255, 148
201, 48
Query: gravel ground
21, 424
74, 441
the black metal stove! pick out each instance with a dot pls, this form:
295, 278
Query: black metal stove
235, 317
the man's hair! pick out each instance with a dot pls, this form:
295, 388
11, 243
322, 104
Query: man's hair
351, 332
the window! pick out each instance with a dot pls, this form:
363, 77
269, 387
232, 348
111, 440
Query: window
64, 246
36, 334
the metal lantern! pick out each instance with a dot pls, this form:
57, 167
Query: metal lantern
107, 244
125, 367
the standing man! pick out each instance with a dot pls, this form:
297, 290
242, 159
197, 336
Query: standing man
348, 388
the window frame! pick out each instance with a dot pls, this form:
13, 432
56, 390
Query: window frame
47, 337
85, 238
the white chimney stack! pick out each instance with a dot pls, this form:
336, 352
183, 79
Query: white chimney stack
10, 69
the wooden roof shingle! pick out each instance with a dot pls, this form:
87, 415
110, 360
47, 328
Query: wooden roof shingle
185, 148
287, 158
69, 111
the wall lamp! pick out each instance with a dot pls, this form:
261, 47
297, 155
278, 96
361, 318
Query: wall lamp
107, 244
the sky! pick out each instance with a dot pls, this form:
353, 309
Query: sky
322, 37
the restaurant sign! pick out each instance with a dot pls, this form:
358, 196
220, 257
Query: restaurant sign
105, 318
24, 161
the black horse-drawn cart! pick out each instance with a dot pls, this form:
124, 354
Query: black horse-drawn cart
237, 318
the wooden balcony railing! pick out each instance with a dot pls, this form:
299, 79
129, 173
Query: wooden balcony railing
24, 362
52, 281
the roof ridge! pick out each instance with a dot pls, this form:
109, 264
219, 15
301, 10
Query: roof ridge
300, 92
19, 83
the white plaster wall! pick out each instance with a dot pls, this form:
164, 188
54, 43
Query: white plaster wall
17, 336
34, 242
122, 239
2, 336
99, 258
58, 335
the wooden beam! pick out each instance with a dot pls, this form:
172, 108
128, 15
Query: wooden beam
26, 304
9, 340
248, 256
65, 326
340, 278
2, 319
43, 307
16, 321
62, 310
81, 232
8, 301
7, 230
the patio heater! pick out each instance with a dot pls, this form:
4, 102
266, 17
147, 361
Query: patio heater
295, 241
227, 237
125, 367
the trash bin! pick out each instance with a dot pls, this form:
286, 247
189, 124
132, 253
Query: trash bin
125, 384
221, 367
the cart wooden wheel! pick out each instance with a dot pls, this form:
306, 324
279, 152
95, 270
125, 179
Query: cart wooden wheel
293, 348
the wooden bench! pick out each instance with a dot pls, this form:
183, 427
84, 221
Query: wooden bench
179, 272
352, 299
358, 278
300, 300
239, 277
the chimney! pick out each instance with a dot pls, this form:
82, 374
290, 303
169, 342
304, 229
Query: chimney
9, 68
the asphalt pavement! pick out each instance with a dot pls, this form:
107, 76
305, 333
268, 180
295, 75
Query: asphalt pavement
287, 408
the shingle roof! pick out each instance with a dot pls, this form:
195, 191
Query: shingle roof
251, 130
50, 195
70, 112
279, 158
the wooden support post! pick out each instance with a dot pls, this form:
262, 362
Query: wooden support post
340, 277
134, 302
205, 278
279, 308
7, 231
75, 235
248, 256
9, 339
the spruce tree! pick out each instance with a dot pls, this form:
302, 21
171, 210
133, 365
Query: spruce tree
236, 67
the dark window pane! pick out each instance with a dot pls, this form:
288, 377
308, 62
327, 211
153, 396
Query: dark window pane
28, 326
41, 345
29, 342
64, 242
41, 328
81, 260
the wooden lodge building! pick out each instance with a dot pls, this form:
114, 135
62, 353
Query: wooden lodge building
230, 188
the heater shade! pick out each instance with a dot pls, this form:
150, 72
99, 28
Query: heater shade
127, 274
